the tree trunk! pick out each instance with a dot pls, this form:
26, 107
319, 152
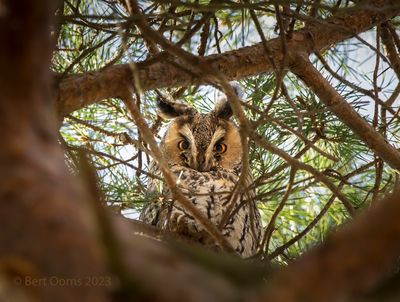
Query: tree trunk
47, 233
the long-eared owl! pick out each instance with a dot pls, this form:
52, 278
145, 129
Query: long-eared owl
204, 151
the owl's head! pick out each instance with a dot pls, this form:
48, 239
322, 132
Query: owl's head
203, 142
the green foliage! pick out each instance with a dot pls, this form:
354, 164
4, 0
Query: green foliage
95, 34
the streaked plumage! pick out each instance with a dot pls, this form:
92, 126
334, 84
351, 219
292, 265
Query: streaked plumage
204, 151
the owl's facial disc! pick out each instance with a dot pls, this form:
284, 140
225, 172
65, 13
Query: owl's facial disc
201, 143
196, 135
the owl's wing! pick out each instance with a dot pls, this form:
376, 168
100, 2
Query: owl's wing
210, 193
254, 213
243, 228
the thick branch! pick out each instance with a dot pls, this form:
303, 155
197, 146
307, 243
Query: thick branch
45, 224
349, 263
391, 49
344, 111
80, 90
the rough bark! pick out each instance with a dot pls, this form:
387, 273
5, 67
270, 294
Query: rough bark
77, 91
349, 263
390, 49
45, 228
338, 106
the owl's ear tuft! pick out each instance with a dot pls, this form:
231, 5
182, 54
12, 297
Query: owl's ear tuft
170, 110
222, 108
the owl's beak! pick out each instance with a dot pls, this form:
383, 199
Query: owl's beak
202, 163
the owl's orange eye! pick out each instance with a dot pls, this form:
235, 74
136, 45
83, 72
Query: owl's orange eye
183, 145
220, 148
